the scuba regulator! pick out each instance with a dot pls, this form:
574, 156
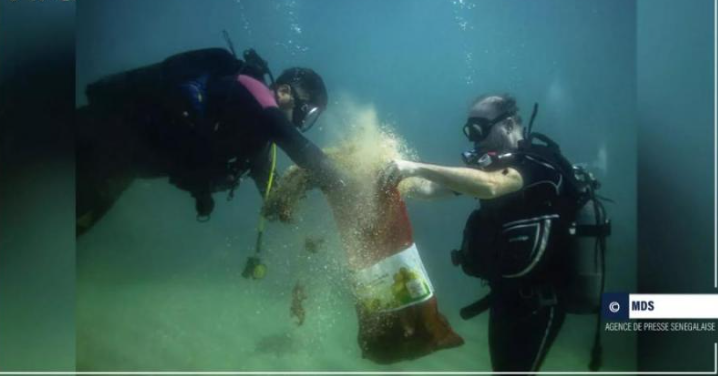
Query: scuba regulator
478, 159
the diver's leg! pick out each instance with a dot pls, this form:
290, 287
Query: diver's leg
95, 197
520, 334
103, 166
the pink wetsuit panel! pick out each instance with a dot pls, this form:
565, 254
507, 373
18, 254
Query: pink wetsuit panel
261, 92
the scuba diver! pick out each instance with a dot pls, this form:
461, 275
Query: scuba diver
204, 119
538, 238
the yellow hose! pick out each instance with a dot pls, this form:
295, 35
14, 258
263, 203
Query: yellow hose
270, 181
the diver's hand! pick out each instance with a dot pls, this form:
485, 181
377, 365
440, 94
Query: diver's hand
396, 171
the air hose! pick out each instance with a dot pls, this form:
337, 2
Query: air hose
254, 268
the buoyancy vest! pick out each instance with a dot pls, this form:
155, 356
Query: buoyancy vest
552, 231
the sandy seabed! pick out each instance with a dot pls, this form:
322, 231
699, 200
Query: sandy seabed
158, 292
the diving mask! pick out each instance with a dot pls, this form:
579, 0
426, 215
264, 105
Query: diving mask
305, 114
477, 129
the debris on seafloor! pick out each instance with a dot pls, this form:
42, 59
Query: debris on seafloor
298, 298
313, 244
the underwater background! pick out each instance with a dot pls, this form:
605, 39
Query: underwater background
676, 228
158, 291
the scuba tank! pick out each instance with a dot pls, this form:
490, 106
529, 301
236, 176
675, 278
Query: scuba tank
157, 80
586, 259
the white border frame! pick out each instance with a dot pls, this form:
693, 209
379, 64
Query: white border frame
316, 373
715, 144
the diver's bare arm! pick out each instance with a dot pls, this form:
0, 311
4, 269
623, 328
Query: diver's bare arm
422, 189
472, 182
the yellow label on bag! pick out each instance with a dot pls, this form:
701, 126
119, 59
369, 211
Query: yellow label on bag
396, 282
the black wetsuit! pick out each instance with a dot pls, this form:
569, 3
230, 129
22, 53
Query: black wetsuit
517, 239
202, 149
521, 330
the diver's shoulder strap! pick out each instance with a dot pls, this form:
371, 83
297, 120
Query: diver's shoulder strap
549, 152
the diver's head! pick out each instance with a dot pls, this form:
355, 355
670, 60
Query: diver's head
494, 123
302, 96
